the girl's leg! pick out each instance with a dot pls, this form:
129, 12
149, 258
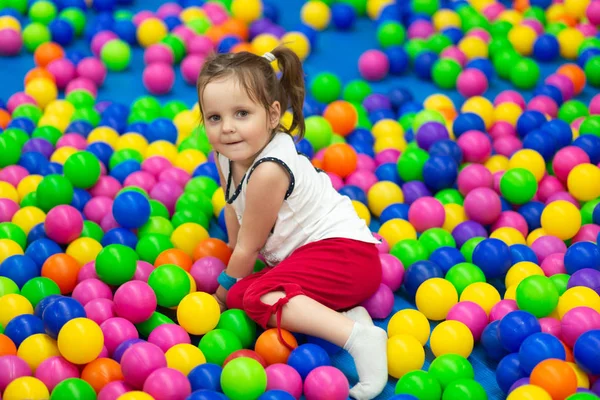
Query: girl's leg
235, 295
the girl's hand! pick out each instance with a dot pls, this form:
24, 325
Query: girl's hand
221, 297
222, 305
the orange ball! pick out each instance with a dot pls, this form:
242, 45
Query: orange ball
567, 20
575, 74
568, 351
449, 114
342, 116
340, 159
7, 347
236, 27
101, 372
4, 119
46, 53
216, 33
38, 72
174, 256
521, 5
269, 346
242, 46
556, 377
62, 269
213, 247
317, 163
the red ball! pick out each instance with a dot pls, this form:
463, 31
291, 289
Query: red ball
247, 354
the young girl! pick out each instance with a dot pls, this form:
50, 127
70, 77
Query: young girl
321, 256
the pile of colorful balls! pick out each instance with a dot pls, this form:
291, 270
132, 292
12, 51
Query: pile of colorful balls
112, 229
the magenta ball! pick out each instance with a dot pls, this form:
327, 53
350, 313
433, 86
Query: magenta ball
18, 99
135, 301
373, 65
474, 176
200, 45
139, 361
483, 205
587, 233
97, 208
117, 330
283, 377
475, 145
168, 335
363, 179
82, 83
501, 129
507, 145
93, 69
554, 264
566, 159
493, 11
511, 219
420, 29
176, 175
158, 78
184, 33
380, 304
216, 13
11, 42
566, 196
63, 72
551, 325
168, 9
510, 96
155, 165
456, 54
13, 367
365, 162
387, 156
143, 270
336, 181
54, 370
326, 383
108, 222
142, 16
142, 179
167, 193
8, 208
471, 82
592, 12
383, 246
549, 186
191, 66
91, 289
425, 213
100, 39
167, 384
100, 310
501, 308
72, 140
13, 174
63, 224
392, 271
113, 390
594, 106
563, 83
106, 186
543, 104
205, 272
480, 33
470, 314
536, 25
88, 271
158, 53
577, 321
546, 245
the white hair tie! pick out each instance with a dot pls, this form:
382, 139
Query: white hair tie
269, 56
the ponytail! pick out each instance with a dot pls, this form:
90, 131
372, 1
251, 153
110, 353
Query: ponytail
291, 87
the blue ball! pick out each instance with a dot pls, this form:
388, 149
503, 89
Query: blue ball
80, 198
490, 341
33, 161
37, 232
360, 135
398, 59
378, 115
310, 33
509, 371
22, 326
40, 250
117, 124
343, 16
172, 21
75, 56
62, 32
25, 124
582, 255
82, 128
363, 148
541, 142
467, 122
208, 169
306, 148
227, 43
276, 395
126, 31
591, 145
419, 272
59, 312
493, 257
560, 131
270, 11
551, 91
62, 4
104, 5
515, 327
206, 395
424, 63
307, 357
388, 172
394, 211
102, 151
122, 170
539, 347
521, 252
131, 209
354, 193
399, 96
447, 147
391, 12
329, 347
596, 214
532, 212
587, 351
311, 107
215, 231
540, 3
585, 55
484, 65
116, 110
52, 168
119, 236
139, 127
410, 107
546, 48
529, 121
446, 257
39, 309
206, 376
454, 34
440, 172
19, 268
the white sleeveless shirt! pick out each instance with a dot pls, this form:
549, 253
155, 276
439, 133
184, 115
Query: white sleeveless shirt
313, 210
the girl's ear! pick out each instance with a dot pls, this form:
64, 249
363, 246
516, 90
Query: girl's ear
274, 114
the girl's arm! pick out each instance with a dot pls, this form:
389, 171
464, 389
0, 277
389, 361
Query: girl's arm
231, 222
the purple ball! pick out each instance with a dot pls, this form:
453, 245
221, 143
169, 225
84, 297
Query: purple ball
585, 277
275, 30
120, 350
546, 245
518, 383
431, 132
259, 26
468, 230
40, 145
101, 106
596, 387
414, 190
377, 101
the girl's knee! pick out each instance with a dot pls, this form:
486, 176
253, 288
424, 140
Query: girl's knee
235, 297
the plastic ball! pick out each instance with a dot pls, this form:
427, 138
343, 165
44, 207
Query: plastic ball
195, 304
451, 337
326, 381
373, 65
569, 216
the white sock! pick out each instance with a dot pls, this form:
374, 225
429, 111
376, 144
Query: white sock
368, 346
359, 314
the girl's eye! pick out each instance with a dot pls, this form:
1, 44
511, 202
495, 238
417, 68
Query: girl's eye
243, 113
213, 118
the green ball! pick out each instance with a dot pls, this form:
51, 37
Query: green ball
500, 29
571, 110
582, 396
448, 368
468, 248
190, 215
587, 211
116, 55
425, 116
29, 200
218, 344
176, 45
150, 246
18, 5
538, 295
197, 140
414, 47
504, 62
518, 185
81, 98
19, 135
158, 209
243, 378
554, 28
11, 231
356, 91
121, 15
92, 230
476, 21
464, 389
588, 43
318, 132
8, 286
172, 108
445, 72
420, 384
156, 225
43, 12
30, 111
238, 322
116, 255
34, 35
560, 282
73, 388
157, 319
48, 133
10, 151
170, 284
87, 114
326, 87
199, 25
537, 13
148, 103
196, 200
122, 155
75, 17
428, 7
450, 196
38, 288
410, 164
82, 169
463, 274
590, 126
592, 71
438, 42
391, 33
525, 73
202, 185
52, 191
434, 238
407, 120
409, 251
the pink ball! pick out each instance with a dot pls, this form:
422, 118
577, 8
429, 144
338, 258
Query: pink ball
481, 34
91, 289
72, 140
425, 213
373, 65
576, 124
501, 308
336, 181
63, 224
158, 78
14, 367
456, 54
81, 83
365, 163
420, 29
363, 179
63, 71
563, 83
593, 13
493, 11
587, 233
501, 129
8, 208
155, 165
283, 377
548, 186
87, 271
507, 145
510, 96
92, 69
380, 304
141, 179
594, 106
320, 155
185, 33
200, 45
167, 384
97, 208
143, 270
106, 186
18, 99
11, 42
215, 12
191, 66
566, 159
168, 9
470, 314
158, 53
588, 30
554, 264
205, 272
497, 178
13, 174
139, 361
387, 156
135, 301
475, 145
543, 104
551, 325
534, 24
108, 222
167, 193
512, 219
116, 331
483, 205
113, 390
382, 247
562, 196
577, 321
326, 383
546, 245
100, 310
54, 370
100, 39
392, 271
168, 335
142, 16
474, 176
176, 175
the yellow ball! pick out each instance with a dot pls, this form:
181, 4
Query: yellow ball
508, 112
445, 18
298, 42
104, 134
184, 357
570, 39
151, 31
389, 142
497, 163
529, 392
583, 380
28, 217
438, 102
13, 305
529, 159
520, 271
189, 159
561, 219
187, 236
583, 182
80, 340
28, 184
61, 108
162, 148
404, 354
56, 121
578, 296
193, 286
362, 211
8, 191
8, 22
26, 387
315, 14
264, 43
522, 37
455, 215
374, 7
61, 154
43, 91
481, 293
9, 248
576, 8
396, 230
479, 5
512, 16
37, 348
451, 337
383, 194
387, 127
191, 13
511, 293
554, 12
84, 250
435, 297
473, 47
198, 313
247, 10
508, 235
482, 107
218, 201
132, 141
410, 322
135, 395
185, 122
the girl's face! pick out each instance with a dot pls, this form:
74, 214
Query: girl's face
236, 126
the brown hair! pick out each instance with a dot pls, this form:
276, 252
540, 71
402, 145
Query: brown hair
257, 76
